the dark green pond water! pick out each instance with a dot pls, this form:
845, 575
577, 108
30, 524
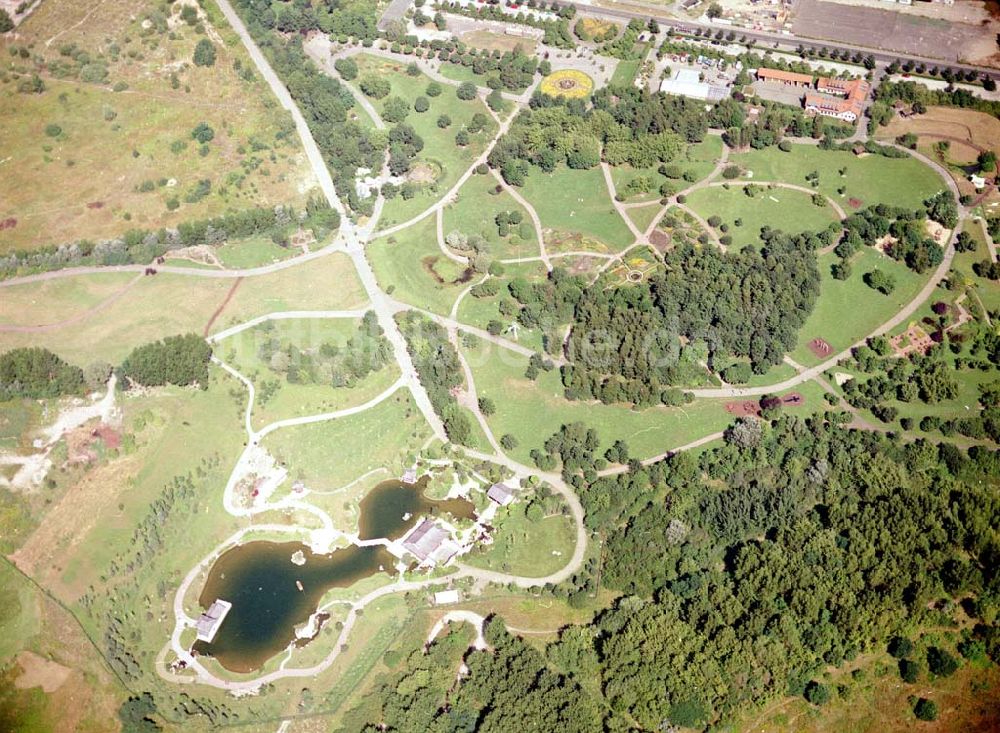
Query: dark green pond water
259, 578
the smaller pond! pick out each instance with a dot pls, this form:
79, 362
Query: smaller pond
271, 595
384, 508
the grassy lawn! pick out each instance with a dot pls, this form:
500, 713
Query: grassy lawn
440, 152
848, 310
779, 208
169, 304
697, 160
625, 72
83, 182
873, 179
476, 210
986, 290
90, 525
277, 398
254, 252
523, 547
411, 268
480, 311
700, 159
642, 216
532, 411
327, 455
622, 175
54, 301
576, 201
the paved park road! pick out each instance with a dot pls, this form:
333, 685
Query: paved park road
348, 230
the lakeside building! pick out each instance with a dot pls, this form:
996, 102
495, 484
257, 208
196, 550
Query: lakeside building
430, 543
209, 622
501, 494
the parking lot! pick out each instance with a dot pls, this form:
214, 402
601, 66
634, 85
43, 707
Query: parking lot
893, 31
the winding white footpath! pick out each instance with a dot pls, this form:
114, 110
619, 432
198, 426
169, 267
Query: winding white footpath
385, 309
350, 240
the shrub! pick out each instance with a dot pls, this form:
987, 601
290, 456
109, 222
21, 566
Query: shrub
395, 110
909, 670
421, 104
6, 22
731, 171
880, 281
203, 133
940, 662
444, 122
204, 53
737, 373
375, 86
925, 709
900, 647
347, 68
433, 89
53, 130
466, 91
817, 693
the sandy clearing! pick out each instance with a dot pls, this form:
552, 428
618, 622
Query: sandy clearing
36, 671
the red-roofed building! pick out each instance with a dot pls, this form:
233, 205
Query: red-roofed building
841, 99
790, 78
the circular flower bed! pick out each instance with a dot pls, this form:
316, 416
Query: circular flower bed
567, 83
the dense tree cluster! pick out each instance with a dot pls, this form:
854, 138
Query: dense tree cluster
437, 364
509, 687
746, 573
513, 70
833, 538
625, 125
920, 97
625, 345
625, 47
37, 373
903, 232
181, 360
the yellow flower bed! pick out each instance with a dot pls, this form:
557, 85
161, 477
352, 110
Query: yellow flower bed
567, 83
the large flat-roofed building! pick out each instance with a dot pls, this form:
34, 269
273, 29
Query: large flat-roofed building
209, 622
687, 83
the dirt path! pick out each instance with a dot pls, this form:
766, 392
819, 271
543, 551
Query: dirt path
79, 317
222, 305
532, 214
609, 182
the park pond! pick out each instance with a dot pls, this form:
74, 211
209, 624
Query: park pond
272, 595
